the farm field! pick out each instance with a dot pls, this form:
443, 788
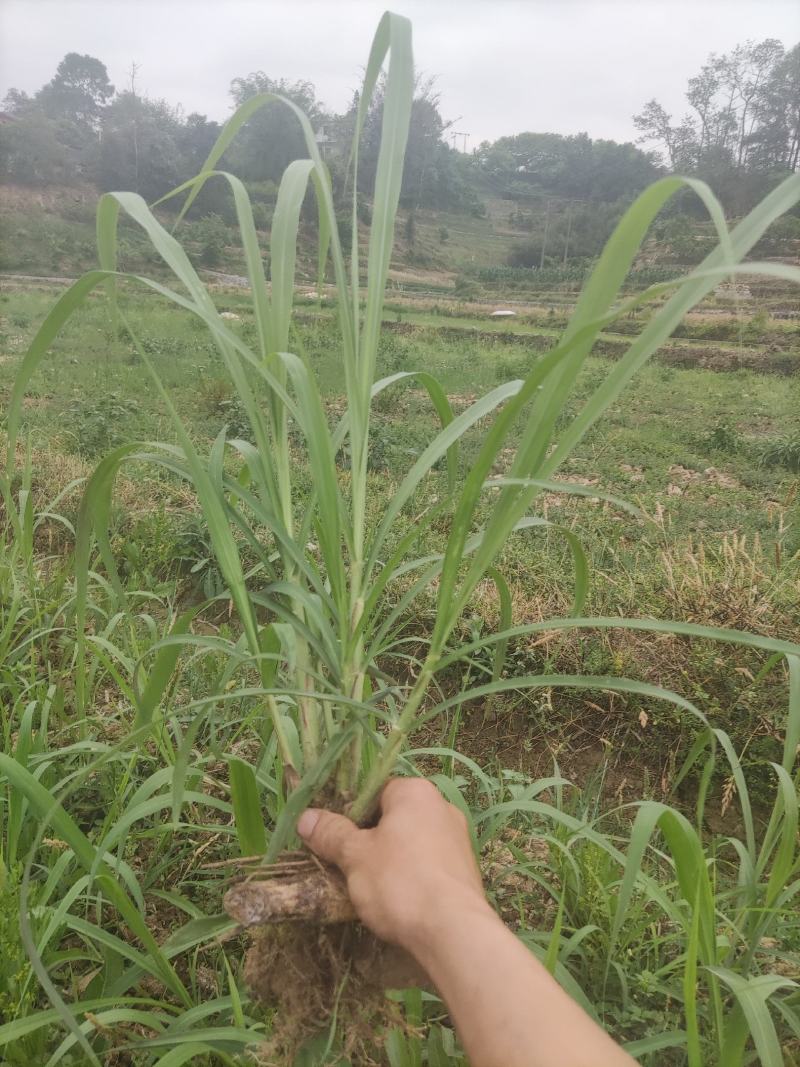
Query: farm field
400, 556
705, 443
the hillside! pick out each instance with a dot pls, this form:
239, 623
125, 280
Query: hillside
50, 231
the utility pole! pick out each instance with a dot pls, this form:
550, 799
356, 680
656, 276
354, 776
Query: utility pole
544, 239
569, 230
133, 72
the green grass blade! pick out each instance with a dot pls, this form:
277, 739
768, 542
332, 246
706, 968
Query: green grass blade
247, 809
17, 1029
743, 237
694, 1053
51, 813
580, 560
283, 248
752, 996
791, 739
506, 612
444, 440
160, 674
688, 629
397, 99
568, 681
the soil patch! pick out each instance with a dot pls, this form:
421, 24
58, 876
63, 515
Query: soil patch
315, 976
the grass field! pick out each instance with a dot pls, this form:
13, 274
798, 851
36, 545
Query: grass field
706, 455
709, 457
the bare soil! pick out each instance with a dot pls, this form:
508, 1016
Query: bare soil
313, 976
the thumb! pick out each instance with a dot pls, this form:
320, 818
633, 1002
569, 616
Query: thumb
334, 838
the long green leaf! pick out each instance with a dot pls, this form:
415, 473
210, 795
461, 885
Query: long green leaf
247, 809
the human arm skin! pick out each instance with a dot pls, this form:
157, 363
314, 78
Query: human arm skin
413, 881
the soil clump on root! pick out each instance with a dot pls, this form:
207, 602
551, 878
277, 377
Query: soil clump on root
314, 965
314, 976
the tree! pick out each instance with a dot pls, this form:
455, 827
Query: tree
745, 113
196, 138
31, 154
272, 138
69, 129
55, 137
680, 142
775, 140
18, 103
566, 231
139, 146
78, 91
433, 174
542, 164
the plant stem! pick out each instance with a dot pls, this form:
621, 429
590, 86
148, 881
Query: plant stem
283, 742
353, 685
384, 765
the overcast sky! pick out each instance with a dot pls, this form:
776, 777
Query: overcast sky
502, 66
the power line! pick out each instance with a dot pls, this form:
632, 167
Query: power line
457, 133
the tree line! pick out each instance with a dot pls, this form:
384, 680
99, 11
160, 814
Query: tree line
742, 134
79, 128
743, 127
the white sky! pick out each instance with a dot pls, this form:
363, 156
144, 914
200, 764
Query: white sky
502, 66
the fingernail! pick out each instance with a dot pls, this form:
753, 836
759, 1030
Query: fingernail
307, 821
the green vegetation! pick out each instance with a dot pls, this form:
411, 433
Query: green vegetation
312, 550
539, 203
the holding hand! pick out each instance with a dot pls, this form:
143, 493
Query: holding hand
413, 880
400, 871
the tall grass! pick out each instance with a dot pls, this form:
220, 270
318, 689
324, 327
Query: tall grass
321, 594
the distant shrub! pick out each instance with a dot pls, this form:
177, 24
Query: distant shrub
265, 192
210, 234
525, 254
218, 399
465, 288
393, 353
507, 370
684, 243
782, 237
508, 277
419, 258
262, 216
723, 438
344, 225
784, 452
395, 445
76, 209
99, 424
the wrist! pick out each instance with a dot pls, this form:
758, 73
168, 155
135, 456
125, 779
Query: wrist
450, 908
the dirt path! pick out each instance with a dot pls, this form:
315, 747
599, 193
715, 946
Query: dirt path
27, 279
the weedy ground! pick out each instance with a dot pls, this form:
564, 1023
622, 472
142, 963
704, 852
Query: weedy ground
697, 450
706, 456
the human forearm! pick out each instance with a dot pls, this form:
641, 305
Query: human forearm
507, 1009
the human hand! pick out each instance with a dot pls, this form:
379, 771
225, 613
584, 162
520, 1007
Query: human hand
413, 880
401, 873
